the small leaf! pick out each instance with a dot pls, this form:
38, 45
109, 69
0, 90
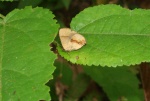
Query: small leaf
115, 36
26, 62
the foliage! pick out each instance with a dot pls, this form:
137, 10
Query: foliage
113, 36
26, 62
116, 82
105, 69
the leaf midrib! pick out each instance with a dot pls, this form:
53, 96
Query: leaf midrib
122, 34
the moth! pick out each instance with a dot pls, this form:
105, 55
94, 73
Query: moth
71, 40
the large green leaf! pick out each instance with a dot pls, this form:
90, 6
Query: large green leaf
115, 36
117, 83
26, 62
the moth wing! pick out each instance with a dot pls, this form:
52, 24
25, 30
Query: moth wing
71, 40
65, 36
77, 41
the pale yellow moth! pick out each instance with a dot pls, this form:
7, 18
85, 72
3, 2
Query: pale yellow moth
71, 40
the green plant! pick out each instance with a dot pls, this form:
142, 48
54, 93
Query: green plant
117, 41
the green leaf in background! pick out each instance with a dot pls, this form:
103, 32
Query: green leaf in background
117, 83
78, 87
26, 62
63, 74
115, 36
66, 3
23, 3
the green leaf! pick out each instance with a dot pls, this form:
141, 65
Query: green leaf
26, 62
117, 83
115, 36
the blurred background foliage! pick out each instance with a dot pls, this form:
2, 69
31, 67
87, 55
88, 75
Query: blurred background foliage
65, 10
